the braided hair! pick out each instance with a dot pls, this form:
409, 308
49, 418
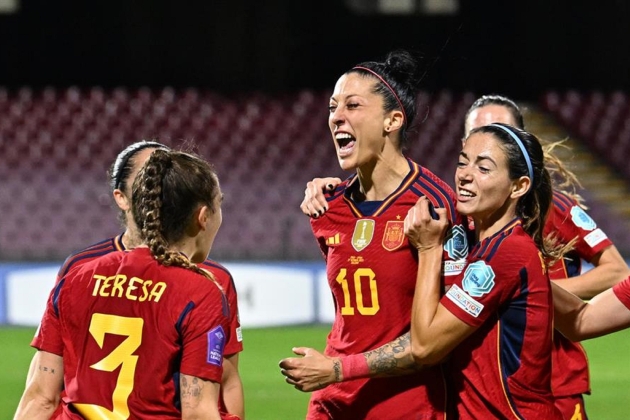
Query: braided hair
166, 194
122, 169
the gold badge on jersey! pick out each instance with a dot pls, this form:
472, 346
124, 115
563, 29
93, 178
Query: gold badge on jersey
394, 235
363, 233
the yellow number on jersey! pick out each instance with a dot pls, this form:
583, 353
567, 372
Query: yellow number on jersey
359, 275
577, 415
122, 356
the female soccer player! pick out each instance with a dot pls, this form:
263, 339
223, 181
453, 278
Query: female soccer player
370, 266
125, 168
495, 321
567, 223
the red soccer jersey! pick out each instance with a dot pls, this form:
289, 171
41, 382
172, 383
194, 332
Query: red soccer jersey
225, 280
503, 370
371, 271
221, 274
568, 221
126, 327
622, 291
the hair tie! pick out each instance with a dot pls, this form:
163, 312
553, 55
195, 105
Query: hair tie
522, 147
124, 156
402, 108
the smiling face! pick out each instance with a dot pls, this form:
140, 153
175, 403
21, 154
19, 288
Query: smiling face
484, 189
357, 121
488, 114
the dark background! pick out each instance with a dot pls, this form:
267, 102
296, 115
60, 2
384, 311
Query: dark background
518, 48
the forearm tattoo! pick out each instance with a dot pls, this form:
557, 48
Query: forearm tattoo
337, 369
392, 359
190, 391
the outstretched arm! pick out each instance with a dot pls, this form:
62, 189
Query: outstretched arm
609, 269
314, 203
315, 371
43, 387
578, 320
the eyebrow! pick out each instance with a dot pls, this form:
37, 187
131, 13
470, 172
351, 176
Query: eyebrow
479, 158
349, 96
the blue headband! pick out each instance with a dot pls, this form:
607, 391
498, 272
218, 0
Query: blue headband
520, 146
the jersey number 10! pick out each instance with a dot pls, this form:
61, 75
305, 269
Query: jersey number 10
361, 276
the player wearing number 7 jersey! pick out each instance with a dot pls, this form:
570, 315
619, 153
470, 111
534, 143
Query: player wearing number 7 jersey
141, 334
370, 265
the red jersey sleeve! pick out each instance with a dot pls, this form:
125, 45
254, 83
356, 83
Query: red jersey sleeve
622, 291
204, 336
568, 221
48, 335
224, 278
493, 278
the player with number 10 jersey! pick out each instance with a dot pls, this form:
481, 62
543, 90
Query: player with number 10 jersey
371, 271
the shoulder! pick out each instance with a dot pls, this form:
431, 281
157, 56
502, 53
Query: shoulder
86, 255
432, 186
563, 200
222, 274
511, 245
563, 203
437, 191
339, 191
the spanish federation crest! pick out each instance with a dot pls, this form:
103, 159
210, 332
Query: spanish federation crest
478, 279
363, 233
394, 235
582, 219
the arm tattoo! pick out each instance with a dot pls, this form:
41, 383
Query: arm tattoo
46, 369
190, 391
337, 369
392, 359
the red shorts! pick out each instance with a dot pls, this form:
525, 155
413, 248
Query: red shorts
571, 407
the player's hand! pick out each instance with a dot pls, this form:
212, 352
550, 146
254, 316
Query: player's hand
309, 373
424, 230
314, 203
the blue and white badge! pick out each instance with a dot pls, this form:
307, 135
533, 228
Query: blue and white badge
216, 344
456, 245
582, 219
478, 279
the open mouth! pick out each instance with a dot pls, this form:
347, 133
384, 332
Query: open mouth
345, 141
465, 193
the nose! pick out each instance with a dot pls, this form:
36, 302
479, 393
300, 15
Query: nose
336, 117
463, 174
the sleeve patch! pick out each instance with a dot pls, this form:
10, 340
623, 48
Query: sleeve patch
582, 219
453, 268
478, 279
595, 237
216, 344
464, 301
456, 245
